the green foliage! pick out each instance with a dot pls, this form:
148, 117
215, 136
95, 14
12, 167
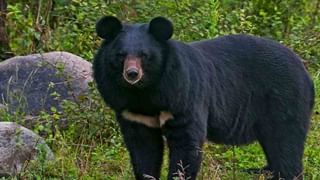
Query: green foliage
91, 146
294, 23
69, 24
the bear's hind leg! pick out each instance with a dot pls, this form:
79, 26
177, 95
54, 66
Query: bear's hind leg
283, 145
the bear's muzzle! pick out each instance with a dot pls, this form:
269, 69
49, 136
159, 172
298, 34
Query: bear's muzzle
132, 69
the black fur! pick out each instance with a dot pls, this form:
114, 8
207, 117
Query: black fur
161, 28
232, 90
113, 24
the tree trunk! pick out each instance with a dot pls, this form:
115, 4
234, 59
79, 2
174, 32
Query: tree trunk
4, 40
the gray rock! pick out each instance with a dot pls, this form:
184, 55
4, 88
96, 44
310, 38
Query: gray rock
18, 145
37, 82
2, 107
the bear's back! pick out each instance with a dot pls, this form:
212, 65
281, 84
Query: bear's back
255, 58
249, 51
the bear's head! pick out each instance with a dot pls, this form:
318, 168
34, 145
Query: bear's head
134, 55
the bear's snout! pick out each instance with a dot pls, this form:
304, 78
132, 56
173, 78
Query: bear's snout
132, 70
132, 73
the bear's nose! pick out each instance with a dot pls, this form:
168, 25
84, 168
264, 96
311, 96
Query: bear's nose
132, 73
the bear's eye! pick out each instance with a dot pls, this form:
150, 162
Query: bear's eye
121, 55
144, 55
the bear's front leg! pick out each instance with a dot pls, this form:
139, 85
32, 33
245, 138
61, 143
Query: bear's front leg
185, 139
145, 146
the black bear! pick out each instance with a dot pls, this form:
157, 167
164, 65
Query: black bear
232, 90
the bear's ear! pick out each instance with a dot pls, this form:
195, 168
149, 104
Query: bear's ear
108, 27
161, 28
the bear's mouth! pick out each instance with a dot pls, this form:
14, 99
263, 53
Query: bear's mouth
132, 69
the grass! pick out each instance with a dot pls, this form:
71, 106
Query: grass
92, 147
